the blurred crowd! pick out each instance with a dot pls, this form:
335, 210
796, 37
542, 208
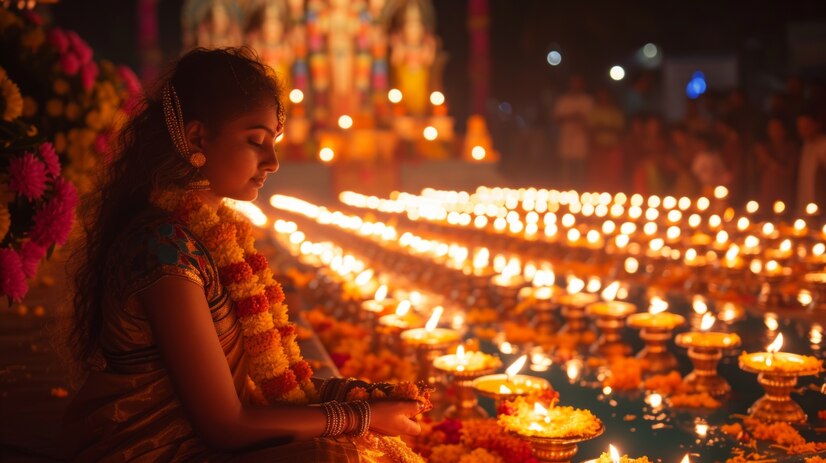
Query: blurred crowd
769, 153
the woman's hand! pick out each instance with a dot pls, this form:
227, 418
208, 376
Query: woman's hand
392, 417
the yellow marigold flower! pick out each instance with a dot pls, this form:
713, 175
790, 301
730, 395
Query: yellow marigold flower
481, 456
5, 221
12, 99
268, 364
295, 396
447, 453
246, 288
256, 324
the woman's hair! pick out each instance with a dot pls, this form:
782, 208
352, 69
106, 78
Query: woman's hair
213, 86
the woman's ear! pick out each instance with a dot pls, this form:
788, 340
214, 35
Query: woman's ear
195, 134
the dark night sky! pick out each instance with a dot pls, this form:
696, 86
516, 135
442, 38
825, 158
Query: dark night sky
592, 35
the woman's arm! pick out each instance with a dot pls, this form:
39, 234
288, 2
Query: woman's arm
182, 328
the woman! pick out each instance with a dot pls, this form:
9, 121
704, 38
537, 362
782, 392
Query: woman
777, 158
174, 311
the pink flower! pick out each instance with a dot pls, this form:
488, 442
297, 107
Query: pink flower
88, 74
53, 222
80, 47
28, 176
130, 80
49, 156
70, 64
12, 279
57, 38
31, 254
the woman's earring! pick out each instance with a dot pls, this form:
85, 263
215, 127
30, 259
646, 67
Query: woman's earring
199, 182
197, 159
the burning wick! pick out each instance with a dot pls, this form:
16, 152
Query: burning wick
774, 347
614, 453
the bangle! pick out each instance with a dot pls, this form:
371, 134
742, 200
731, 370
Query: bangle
336, 417
322, 390
362, 411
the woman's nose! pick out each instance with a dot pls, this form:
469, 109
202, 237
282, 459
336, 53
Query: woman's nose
270, 164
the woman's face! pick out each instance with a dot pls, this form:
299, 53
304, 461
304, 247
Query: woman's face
241, 155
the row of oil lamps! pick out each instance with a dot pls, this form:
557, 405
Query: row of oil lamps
472, 371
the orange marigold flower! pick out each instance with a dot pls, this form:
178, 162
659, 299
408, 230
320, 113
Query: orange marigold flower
257, 261
303, 371
274, 293
287, 330
280, 385
260, 342
251, 306
234, 273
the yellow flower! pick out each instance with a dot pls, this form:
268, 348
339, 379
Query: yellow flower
5, 221
12, 99
256, 324
54, 107
480, 456
60, 86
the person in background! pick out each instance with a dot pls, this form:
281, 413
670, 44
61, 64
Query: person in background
708, 166
607, 123
812, 161
683, 147
572, 113
776, 156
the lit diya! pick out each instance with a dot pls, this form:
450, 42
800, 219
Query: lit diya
610, 318
511, 384
705, 349
816, 283
430, 342
771, 275
390, 326
777, 373
553, 432
464, 367
380, 302
573, 306
613, 456
655, 330
508, 283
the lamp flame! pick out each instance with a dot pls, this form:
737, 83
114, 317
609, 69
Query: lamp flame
381, 293
539, 409
776, 344
575, 285
504, 389
434, 318
364, 277
731, 254
614, 453
685, 459
610, 291
699, 305
707, 322
658, 305
460, 352
516, 366
403, 308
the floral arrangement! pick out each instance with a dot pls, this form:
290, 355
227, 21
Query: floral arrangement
37, 204
553, 421
606, 458
625, 374
71, 98
455, 441
349, 348
784, 435
680, 394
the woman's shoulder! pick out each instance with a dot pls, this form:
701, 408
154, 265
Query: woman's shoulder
155, 244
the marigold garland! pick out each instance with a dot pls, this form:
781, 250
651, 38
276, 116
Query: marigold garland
275, 363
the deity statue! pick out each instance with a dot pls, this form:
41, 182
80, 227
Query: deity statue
211, 23
266, 33
413, 51
297, 38
341, 28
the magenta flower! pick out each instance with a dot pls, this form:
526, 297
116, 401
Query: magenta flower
12, 279
49, 156
80, 47
31, 254
28, 176
70, 64
88, 74
57, 38
53, 222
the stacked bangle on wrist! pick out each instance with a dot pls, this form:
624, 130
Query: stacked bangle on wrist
351, 418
